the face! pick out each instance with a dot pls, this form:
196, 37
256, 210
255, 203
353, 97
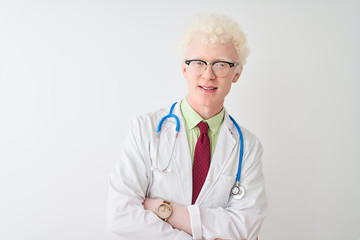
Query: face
208, 90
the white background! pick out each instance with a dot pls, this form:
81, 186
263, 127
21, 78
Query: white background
74, 73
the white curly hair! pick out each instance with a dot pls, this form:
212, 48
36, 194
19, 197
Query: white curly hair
215, 29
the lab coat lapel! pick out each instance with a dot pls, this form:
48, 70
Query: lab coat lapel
165, 142
183, 162
225, 146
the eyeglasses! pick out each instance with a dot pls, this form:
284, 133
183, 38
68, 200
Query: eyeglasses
219, 68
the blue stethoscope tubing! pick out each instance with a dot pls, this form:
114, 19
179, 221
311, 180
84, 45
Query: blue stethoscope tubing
237, 191
170, 115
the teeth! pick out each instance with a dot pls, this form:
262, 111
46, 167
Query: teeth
208, 88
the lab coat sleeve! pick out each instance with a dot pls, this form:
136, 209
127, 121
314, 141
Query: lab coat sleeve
127, 217
241, 218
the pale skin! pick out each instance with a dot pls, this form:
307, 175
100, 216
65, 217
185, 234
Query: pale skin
206, 102
209, 103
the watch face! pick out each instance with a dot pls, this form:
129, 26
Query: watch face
164, 211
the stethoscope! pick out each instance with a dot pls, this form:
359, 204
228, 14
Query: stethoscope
237, 191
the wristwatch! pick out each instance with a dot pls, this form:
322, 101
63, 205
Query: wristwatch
164, 210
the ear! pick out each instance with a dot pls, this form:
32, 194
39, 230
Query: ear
237, 74
183, 67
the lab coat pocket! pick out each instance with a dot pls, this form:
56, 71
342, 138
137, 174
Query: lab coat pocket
219, 194
164, 185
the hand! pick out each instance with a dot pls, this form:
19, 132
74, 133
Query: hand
179, 219
151, 204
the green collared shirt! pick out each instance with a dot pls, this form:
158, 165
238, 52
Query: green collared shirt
192, 118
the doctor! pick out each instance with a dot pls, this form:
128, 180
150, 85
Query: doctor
191, 198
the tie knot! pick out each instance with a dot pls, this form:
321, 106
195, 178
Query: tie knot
203, 126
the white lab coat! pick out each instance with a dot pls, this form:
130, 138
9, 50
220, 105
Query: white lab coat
215, 214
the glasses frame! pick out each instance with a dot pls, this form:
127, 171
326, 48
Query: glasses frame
187, 62
207, 63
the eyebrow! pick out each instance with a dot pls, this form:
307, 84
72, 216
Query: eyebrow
225, 59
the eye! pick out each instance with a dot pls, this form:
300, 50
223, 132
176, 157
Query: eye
198, 63
220, 64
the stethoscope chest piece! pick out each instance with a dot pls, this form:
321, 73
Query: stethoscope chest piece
237, 191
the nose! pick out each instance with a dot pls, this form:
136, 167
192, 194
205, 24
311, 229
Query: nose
208, 74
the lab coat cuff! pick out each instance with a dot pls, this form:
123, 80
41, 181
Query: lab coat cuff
195, 221
183, 236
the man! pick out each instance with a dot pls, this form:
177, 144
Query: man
192, 201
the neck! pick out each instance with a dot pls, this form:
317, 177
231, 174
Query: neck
206, 111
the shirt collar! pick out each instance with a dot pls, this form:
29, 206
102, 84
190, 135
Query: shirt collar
192, 118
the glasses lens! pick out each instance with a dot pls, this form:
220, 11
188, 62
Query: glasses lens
221, 69
197, 67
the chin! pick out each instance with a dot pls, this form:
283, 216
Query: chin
208, 102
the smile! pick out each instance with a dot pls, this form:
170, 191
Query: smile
207, 88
